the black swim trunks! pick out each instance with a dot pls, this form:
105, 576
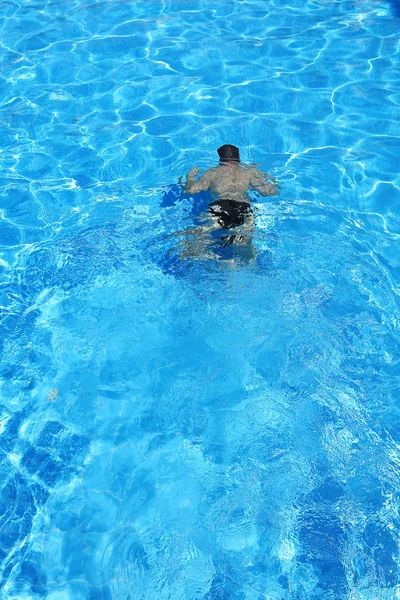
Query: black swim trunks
229, 213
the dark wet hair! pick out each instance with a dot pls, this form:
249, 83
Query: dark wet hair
228, 153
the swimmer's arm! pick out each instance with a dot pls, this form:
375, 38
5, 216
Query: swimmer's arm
259, 183
201, 185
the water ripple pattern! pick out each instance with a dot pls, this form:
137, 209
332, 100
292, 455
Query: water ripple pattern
188, 429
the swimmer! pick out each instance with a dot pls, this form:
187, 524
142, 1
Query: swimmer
229, 184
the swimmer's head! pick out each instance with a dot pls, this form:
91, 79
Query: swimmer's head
228, 153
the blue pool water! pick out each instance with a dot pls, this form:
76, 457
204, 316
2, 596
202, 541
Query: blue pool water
192, 429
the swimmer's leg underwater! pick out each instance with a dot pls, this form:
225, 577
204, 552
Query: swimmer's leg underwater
226, 234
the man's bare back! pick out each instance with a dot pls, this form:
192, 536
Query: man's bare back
231, 181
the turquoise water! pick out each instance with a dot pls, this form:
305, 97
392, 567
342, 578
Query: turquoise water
192, 429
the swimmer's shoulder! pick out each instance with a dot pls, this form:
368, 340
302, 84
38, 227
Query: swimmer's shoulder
252, 170
216, 172
248, 171
245, 167
255, 173
209, 175
211, 172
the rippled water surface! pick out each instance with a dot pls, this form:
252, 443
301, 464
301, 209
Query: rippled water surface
199, 428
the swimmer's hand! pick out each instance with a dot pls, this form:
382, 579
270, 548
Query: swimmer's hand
272, 181
193, 171
194, 186
190, 180
273, 185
